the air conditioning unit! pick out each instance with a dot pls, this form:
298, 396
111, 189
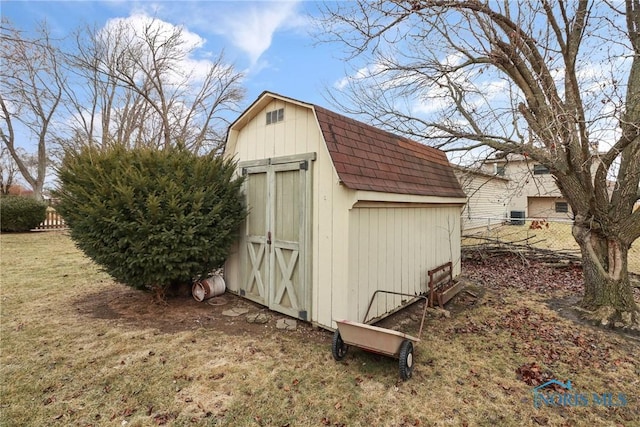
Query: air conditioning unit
517, 217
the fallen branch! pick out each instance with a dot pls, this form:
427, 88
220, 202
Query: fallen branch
559, 258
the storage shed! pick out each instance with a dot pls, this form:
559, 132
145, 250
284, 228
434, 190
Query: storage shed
337, 210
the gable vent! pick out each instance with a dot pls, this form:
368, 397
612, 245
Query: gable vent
275, 116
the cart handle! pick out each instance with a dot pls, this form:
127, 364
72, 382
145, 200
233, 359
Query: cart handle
424, 313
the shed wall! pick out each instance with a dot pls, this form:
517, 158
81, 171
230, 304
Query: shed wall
299, 133
392, 247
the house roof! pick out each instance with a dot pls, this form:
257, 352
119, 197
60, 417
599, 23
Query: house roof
464, 170
371, 159
19, 190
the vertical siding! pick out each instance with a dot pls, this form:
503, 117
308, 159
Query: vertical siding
336, 225
358, 242
398, 238
296, 134
381, 261
232, 267
330, 271
393, 247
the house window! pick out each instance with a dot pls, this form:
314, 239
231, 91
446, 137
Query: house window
500, 170
275, 116
540, 170
562, 207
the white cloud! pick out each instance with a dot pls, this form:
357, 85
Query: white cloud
247, 25
453, 59
251, 28
360, 74
429, 105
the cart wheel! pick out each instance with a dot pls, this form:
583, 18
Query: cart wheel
338, 347
406, 359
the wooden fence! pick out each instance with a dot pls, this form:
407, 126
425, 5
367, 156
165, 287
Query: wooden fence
53, 221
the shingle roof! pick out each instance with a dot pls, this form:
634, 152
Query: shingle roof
368, 158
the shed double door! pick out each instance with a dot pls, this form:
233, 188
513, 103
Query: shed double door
274, 255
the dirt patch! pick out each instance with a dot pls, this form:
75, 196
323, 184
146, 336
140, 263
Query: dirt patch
139, 309
566, 307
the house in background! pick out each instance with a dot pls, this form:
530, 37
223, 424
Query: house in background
337, 210
531, 189
487, 198
19, 190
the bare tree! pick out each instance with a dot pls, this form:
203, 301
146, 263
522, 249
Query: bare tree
556, 81
31, 91
8, 171
142, 86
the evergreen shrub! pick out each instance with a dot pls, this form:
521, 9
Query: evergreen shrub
20, 213
151, 218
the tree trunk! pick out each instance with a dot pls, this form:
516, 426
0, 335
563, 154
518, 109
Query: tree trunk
607, 288
37, 191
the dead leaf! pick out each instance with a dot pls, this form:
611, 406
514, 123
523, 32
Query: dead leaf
543, 421
217, 376
162, 419
530, 374
338, 405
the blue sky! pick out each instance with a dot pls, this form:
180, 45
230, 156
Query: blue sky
269, 41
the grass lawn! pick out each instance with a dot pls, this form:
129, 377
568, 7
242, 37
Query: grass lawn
78, 349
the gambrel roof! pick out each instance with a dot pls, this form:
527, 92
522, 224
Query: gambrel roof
371, 159
368, 158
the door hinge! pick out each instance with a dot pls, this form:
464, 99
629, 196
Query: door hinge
242, 292
244, 171
304, 165
302, 314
